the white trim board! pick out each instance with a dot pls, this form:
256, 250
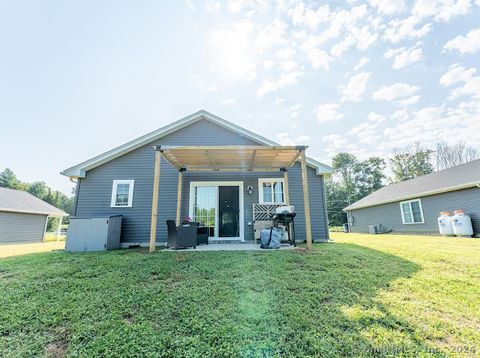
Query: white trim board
80, 170
241, 205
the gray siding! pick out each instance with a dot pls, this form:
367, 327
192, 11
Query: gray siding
21, 228
94, 191
390, 215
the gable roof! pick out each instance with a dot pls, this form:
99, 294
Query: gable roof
79, 170
18, 201
456, 178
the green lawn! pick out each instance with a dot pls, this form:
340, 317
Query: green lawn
358, 296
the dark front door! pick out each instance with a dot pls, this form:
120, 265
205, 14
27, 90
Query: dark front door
228, 211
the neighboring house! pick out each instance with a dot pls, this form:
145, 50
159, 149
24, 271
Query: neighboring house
23, 217
413, 206
120, 181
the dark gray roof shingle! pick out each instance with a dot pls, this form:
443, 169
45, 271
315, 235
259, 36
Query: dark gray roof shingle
22, 202
464, 175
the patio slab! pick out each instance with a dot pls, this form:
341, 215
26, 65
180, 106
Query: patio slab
233, 247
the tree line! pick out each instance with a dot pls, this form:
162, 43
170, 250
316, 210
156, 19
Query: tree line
353, 179
8, 179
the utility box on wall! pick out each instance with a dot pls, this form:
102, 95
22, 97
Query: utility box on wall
94, 234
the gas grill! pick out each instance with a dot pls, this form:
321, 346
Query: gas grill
286, 219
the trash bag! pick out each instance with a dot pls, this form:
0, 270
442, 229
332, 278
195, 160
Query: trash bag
271, 238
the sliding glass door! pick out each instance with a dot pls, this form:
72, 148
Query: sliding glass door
218, 206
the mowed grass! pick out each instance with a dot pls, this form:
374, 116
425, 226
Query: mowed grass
358, 296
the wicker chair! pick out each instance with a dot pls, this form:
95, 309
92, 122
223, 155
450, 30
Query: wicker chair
182, 236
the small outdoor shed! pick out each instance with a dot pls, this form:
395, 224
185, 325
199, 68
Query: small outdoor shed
23, 217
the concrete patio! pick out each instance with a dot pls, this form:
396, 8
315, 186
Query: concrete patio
233, 247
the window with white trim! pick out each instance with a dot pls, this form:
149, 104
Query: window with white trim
122, 193
271, 191
412, 212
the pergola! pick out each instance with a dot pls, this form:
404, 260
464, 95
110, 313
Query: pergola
238, 158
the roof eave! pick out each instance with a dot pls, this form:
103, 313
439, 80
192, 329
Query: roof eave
418, 195
79, 170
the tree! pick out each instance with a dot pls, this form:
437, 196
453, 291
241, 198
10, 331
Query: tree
40, 190
352, 180
447, 156
8, 179
410, 162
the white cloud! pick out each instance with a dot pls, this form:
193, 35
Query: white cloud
286, 139
363, 61
456, 73
355, 87
279, 100
408, 28
228, 101
374, 117
308, 17
318, 58
404, 56
471, 83
335, 141
409, 101
465, 44
388, 7
212, 5
189, 4
365, 132
396, 91
267, 64
431, 124
284, 80
328, 113
470, 88
440, 10
204, 85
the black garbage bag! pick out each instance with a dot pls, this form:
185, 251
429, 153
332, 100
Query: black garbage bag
271, 238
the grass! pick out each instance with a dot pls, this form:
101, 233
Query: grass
23, 249
53, 237
359, 296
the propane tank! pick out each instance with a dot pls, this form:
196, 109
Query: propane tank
445, 225
462, 224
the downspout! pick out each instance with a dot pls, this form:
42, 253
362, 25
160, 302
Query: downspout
77, 189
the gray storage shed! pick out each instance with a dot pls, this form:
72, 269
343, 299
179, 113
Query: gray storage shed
23, 217
94, 234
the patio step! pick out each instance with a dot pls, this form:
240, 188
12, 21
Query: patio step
226, 242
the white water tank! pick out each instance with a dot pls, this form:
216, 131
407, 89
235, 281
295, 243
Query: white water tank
462, 224
445, 225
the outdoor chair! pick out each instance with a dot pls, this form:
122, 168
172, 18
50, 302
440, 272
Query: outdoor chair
202, 235
180, 237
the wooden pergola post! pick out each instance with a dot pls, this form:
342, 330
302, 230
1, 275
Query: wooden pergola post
285, 184
306, 200
179, 196
156, 183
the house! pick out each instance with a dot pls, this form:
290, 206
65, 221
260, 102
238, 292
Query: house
23, 217
121, 182
413, 206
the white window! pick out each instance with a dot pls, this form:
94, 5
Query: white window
412, 212
122, 193
271, 191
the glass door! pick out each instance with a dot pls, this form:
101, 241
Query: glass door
205, 207
228, 211
218, 206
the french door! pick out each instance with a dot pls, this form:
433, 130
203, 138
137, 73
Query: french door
218, 206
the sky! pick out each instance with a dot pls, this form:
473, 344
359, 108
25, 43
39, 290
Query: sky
78, 78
